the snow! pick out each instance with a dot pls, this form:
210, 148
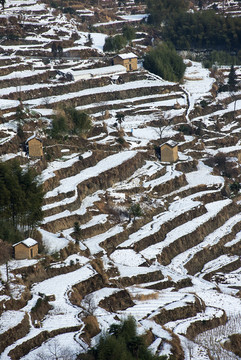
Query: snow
99, 72
184, 229
127, 257
134, 17
140, 112
177, 208
103, 165
93, 243
57, 165
52, 242
10, 319
104, 89
29, 242
127, 56
63, 312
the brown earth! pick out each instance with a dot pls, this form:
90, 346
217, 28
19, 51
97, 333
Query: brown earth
120, 300
17, 332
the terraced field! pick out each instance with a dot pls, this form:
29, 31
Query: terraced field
176, 267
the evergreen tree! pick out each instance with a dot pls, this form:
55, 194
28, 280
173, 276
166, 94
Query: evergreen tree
165, 62
60, 50
114, 43
21, 199
135, 210
54, 49
121, 343
128, 32
120, 117
163, 10
232, 79
3, 3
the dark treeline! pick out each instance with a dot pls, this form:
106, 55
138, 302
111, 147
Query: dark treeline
194, 30
21, 198
204, 30
161, 11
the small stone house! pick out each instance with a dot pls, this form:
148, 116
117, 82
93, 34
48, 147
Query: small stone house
34, 147
169, 151
26, 249
128, 60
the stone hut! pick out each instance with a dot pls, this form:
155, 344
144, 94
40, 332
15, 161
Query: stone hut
34, 147
128, 60
169, 151
26, 249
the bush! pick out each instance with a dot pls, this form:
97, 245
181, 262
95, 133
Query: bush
235, 187
121, 140
135, 210
80, 120
69, 10
185, 129
70, 120
224, 166
165, 62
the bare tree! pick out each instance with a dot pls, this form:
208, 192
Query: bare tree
88, 305
54, 351
163, 123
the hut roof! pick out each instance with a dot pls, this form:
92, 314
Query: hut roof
29, 242
32, 137
170, 143
127, 56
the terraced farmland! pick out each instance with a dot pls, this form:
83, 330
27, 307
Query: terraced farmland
176, 266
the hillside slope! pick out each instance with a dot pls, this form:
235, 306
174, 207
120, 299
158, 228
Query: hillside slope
176, 266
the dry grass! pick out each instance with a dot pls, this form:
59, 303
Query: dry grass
99, 267
143, 297
192, 78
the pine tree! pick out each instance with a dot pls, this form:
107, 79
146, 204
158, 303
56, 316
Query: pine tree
3, 3
232, 79
135, 210
121, 343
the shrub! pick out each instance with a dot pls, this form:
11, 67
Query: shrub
224, 166
185, 129
135, 210
69, 10
235, 187
81, 120
70, 120
59, 125
121, 140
